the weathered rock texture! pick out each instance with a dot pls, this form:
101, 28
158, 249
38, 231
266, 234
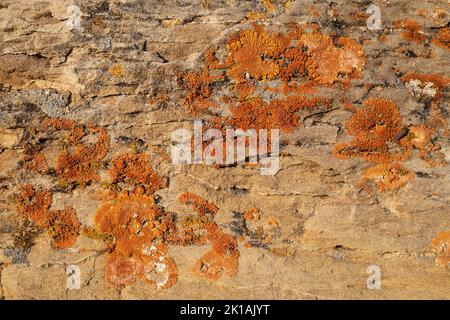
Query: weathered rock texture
321, 223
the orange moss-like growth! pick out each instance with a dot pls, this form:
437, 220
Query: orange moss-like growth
442, 39
326, 61
266, 56
379, 136
116, 70
411, 31
258, 229
244, 90
161, 272
62, 225
429, 87
75, 132
223, 258
80, 161
441, 247
131, 219
135, 170
81, 164
122, 270
256, 56
429, 84
252, 214
33, 204
141, 234
250, 53
200, 205
35, 160
420, 136
136, 223
374, 128
270, 7
252, 16
389, 177
277, 114
198, 90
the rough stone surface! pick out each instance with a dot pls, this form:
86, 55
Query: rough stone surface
330, 230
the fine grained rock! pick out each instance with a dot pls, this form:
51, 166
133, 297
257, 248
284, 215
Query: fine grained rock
120, 71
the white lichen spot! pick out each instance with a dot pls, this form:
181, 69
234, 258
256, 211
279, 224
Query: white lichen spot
419, 89
148, 251
158, 274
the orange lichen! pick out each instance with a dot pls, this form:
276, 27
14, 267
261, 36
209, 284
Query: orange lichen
306, 88
360, 16
373, 129
198, 88
200, 205
380, 136
430, 85
411, 31
35, 160
252, 214
161, 272
293, 64
34, 205
420, 136
142, 232
81, 164
252, 16
429, 88
278, 114
136, 223
250, 53
130, 217
62, 225
389, 177
302, 59
58, 124
122, 270
223, 257
351, 57
257, 56
116, 70
257, 229
270, 7
79, 161
135, 170
326, 61
441, 247
244, 90
442, 39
